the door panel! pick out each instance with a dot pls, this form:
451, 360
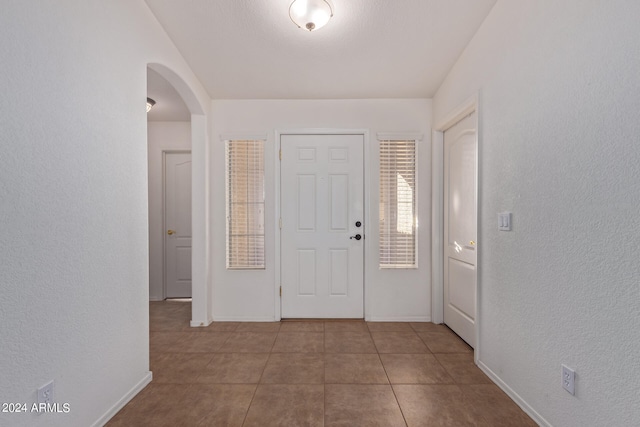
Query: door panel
321, 198
177, 236
462, 295
460, 204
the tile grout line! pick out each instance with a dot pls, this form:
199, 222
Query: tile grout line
170, 349
244, 420
388, 379
324, 379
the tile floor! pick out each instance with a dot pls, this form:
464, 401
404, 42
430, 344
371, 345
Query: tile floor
316, 373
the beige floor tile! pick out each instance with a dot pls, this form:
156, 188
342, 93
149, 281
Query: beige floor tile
258, 327
179, 368
163, 341
217, 404
167, 325
345, 326
354, 369
435, 405
197, 342
249, 342
348, 342
495, 407
414, 369
302, 326
444, 342
152, 407
220, 374
287, 405
462, 368
294, 368
234, 368
219, 327
361, 405
398, 342
389, 327
299, 342
428, 327
196, 408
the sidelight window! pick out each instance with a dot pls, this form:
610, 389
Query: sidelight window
245, 204
398, 209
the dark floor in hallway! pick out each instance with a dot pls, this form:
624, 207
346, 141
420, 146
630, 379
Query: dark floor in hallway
317, 373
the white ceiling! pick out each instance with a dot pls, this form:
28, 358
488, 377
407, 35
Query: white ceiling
249, 49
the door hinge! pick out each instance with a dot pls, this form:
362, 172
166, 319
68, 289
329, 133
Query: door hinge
280, 154
280, 223
280, 290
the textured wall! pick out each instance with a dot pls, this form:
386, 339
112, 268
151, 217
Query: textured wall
162, 136
397, 294
559, 132
73, 210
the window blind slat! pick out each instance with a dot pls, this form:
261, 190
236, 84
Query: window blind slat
245, 204
397, 204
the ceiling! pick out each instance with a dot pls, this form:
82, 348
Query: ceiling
249, 49
169, 104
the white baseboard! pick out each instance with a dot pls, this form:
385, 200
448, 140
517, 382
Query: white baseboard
399, 319
244, 319
271, 319
124, 400
514, 396
200, 323
156, 298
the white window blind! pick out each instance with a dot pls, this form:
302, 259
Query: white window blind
245, 204
398, 215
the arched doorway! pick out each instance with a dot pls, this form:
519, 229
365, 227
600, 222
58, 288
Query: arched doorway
177, 126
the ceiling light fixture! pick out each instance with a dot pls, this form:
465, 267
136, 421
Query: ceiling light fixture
150, 104
310, 15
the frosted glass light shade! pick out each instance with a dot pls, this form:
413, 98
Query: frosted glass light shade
310, 15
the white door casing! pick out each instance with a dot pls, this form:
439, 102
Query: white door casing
177, 219
460, 227
321, 200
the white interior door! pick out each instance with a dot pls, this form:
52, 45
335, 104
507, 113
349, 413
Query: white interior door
177, 219
460, 213
322, 212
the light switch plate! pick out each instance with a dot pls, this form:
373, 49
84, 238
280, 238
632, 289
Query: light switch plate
504, 221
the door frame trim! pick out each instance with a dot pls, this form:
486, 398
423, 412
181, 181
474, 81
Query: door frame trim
437, 205
164, 218
366, 183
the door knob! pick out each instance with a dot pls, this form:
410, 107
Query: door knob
472, 243
357, 237
170, 232
358, 224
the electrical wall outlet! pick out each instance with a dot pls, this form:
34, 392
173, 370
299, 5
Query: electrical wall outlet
569, 380
45, 393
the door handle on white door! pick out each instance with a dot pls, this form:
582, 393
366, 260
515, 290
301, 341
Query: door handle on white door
170, 232
357, 237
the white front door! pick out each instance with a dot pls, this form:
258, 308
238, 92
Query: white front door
460, 212
322, 212
177, 219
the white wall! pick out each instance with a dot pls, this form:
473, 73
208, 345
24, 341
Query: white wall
559, 131
250, 295
161, 137
73, 167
